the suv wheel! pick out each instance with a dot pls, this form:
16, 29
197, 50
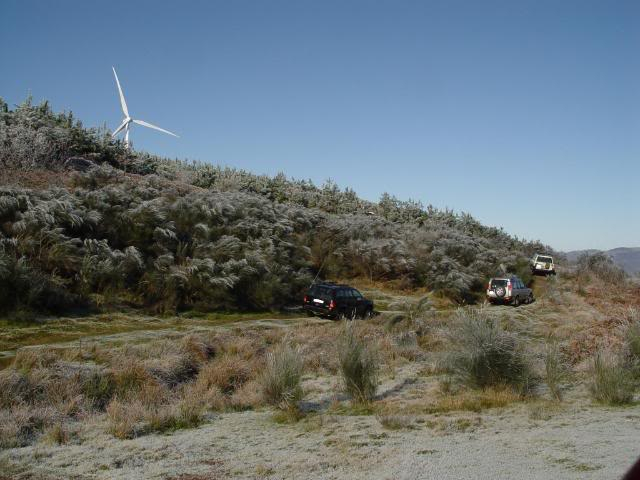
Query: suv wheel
516, 301
367, 314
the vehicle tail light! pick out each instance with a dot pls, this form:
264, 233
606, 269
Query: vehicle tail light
508, 288
332, 304
489, 286
306, 299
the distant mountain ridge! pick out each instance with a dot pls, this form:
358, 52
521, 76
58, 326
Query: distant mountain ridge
628, 258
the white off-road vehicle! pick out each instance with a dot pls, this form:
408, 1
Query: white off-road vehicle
542, 265
509, 290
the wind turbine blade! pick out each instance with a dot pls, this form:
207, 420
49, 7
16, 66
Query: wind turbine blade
119, 129
145, 124
125, 110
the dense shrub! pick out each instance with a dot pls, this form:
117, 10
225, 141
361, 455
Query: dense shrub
484, 355
189, 235
600, 265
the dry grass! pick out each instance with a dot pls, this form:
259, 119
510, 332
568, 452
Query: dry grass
125, 418
474, 400
396, 422
57, 434
169, 384
29, 358
454, 425
130, 378
317, 346
544, 410
15, 388
135, 417
228, 383
20, 425
187, 413
139, 386
227, 373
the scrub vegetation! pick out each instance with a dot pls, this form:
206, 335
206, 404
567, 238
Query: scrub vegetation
168, 235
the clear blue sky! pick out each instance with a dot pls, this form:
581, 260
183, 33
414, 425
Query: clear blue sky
525, 114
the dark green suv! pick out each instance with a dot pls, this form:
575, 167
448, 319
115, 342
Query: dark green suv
336, 301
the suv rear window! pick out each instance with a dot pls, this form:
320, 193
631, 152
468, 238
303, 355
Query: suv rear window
319, 291
545, 259
498, 283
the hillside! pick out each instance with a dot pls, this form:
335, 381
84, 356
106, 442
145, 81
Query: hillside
626, 258
85, 223
95, 239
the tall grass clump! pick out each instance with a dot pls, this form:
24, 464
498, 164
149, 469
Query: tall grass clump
98, 388
485, 355
556, 370
631, 338
612, 383
281, 378
359, 366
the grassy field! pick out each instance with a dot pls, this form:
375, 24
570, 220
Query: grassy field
111, 328
351, 389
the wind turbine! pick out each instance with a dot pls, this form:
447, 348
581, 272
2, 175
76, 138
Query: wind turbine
126, 123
